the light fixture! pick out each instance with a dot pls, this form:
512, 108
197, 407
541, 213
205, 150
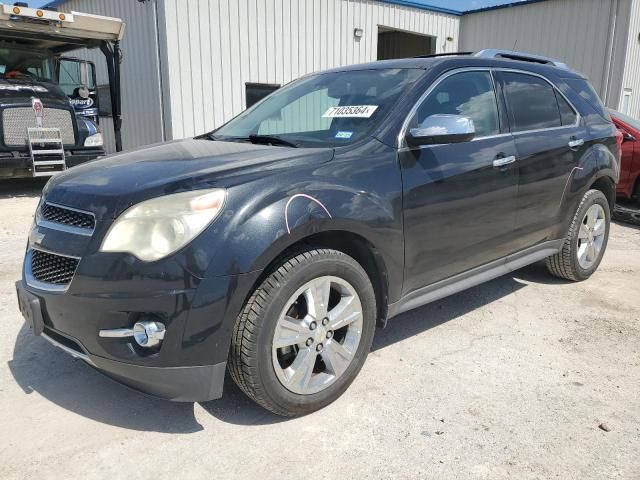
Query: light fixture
358, 32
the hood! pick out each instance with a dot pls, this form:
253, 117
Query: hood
21, 91
110, 185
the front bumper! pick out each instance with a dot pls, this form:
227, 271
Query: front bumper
180, 384
189, 365
20, 166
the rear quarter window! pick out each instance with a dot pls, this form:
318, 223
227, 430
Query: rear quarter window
583, 88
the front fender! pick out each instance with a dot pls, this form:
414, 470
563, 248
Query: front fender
265, 216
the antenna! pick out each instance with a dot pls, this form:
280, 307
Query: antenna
514, 45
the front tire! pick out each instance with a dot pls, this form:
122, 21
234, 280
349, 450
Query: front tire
305, 332
586, 241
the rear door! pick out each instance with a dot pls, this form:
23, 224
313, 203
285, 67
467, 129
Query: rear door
458, 199
549, 139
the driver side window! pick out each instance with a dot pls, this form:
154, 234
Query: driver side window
469, 94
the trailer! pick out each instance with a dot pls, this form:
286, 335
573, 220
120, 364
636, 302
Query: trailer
49, 102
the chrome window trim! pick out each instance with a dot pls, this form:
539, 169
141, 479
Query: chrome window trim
402, 145
41, 222
556, 89
37, 284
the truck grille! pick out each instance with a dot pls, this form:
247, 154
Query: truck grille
66, 216
50, 268
15, 122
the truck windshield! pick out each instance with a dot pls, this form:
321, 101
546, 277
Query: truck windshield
327, 109
25, 64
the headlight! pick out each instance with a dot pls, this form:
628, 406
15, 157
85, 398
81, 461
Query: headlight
94, 141
155, 228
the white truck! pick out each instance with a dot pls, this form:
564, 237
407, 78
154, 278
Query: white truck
49, 103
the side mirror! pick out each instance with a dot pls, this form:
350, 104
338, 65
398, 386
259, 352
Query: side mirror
441, 128
627, 137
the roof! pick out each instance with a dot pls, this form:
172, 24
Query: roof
423, 5
504, 5
458, 61
420, 4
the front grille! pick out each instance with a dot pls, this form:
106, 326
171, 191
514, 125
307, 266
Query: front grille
16, 121
65, 216
50, 268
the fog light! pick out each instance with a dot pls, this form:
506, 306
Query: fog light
148, 334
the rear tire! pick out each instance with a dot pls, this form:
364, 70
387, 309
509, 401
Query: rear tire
304, 333
586, 241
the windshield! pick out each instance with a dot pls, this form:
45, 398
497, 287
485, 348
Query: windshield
25, 64
632, 122
327, 109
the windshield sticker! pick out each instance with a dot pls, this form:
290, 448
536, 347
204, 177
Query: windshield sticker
346, 135
350, 111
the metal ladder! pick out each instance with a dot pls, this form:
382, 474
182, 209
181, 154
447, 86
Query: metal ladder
46, 142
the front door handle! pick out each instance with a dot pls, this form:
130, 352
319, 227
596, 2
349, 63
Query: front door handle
576, 142
501, 162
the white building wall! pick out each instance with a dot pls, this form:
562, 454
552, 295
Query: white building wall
631, 79
213, 47
589, 35
142, 113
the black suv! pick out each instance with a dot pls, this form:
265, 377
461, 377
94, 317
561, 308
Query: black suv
274, 245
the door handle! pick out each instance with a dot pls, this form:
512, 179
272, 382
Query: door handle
501, 162
576, 142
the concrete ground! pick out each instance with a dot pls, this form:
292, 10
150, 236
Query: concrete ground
508, 380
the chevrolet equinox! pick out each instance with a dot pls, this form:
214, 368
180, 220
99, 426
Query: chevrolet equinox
274, 245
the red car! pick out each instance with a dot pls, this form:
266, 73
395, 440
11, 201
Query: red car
629, 184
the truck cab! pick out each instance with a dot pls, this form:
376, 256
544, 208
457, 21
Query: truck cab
49, 110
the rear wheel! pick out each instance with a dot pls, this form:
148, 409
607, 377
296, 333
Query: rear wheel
586, 241
305, 333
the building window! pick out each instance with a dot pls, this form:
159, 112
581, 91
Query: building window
257, 91
626, 101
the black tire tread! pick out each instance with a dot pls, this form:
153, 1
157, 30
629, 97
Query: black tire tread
244, 342
561, 264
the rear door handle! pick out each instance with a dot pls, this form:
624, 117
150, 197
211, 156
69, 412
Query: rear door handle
501, 162
576, 142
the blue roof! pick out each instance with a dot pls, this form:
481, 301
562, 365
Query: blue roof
503, 5
421, 4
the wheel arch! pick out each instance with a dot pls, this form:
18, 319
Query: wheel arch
350, 243
606, 185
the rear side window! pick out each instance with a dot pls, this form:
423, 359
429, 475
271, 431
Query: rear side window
586, 91
532, 102
469, 94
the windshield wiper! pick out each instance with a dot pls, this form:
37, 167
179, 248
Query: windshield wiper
271, 140
254, 138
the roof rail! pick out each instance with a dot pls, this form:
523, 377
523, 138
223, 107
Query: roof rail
520, 56
434, 55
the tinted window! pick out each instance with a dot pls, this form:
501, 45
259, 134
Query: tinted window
532, 102
469, 94
586, 91
567, 114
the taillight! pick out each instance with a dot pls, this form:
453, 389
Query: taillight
619, 139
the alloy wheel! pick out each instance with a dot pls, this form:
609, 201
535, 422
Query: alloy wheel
591, 236
317, 335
